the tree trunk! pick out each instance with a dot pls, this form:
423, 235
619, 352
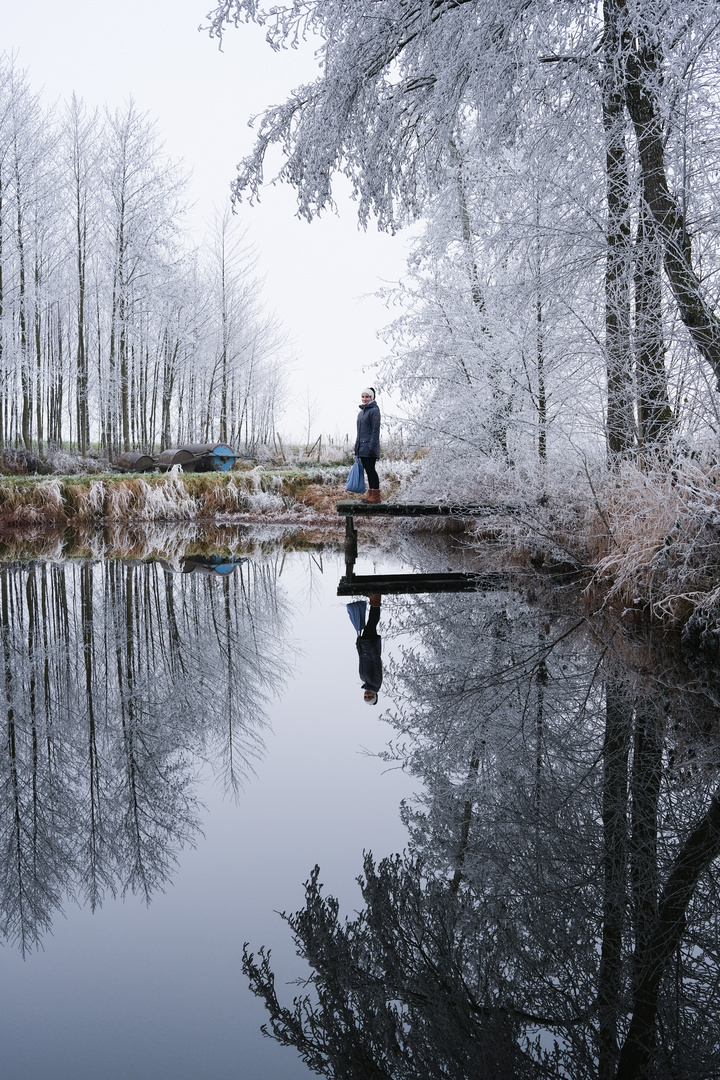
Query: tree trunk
643, 73
81, 388
22, 319
3, 372
39, 428
620, 422
654, 413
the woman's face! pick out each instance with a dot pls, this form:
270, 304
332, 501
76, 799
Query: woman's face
365, 398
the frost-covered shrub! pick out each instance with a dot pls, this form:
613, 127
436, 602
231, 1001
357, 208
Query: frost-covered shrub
63, 464
17, 461
450, 475
656, 535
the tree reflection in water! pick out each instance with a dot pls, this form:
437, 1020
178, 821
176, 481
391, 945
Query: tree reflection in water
556, 911
120, 680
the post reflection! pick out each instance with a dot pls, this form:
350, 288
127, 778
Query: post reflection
556, 910
120, 680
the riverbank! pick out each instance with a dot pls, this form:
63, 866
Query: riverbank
646, 540
169, 497
644, 543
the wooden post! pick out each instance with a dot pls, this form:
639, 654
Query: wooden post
350, 546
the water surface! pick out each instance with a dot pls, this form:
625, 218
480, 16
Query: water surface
185, 747
186, 737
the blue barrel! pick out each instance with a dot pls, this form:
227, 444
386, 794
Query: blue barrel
222, 457
210, 457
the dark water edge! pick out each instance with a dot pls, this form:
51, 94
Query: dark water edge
185, 736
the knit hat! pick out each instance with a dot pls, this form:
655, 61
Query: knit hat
369, 390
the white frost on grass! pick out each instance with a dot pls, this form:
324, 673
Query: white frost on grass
166, 501
50, 494
234, 496
93, 501
265, 502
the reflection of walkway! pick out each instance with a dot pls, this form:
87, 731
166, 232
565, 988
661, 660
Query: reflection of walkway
351, 584
358, 584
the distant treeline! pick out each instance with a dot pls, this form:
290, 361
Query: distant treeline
114, 329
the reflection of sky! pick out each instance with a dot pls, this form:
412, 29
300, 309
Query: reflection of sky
158, 992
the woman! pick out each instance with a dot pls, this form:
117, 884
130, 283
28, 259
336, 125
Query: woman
367, 443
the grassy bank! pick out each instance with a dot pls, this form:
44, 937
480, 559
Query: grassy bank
34, 501
177, 496
646, 541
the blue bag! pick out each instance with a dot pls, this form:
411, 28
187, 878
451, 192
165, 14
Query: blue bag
357, 611
356, 478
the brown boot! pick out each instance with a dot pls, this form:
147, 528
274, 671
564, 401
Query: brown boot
373, 496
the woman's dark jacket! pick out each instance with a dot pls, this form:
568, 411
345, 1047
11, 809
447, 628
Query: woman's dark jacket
367, 443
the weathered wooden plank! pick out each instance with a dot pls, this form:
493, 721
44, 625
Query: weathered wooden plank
383, 584
353, 508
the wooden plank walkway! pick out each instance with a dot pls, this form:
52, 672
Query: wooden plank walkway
355, 507
399, 584
352, 585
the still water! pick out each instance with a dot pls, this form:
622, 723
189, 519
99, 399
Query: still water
184, 739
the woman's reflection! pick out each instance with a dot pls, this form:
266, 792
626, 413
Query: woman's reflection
369, 645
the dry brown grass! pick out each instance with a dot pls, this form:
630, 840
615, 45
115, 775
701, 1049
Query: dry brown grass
655, 537
29, 501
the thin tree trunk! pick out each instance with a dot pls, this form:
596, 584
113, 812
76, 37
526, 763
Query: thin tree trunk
654, 413
39, 426
22, 318
618, 275
81, 360
3, 373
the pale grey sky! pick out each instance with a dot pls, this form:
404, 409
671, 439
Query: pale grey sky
320, 277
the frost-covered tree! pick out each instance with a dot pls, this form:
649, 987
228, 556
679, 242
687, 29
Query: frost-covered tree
241, 379
140, 224
496, 351
105, 304
607, 88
